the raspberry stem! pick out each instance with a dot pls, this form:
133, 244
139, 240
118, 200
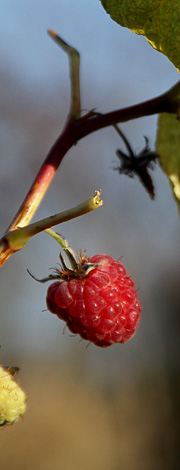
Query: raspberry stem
74, 62
76, 128
64, 244
16, 239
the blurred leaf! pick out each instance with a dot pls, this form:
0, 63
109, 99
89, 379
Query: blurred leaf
168, 149
157, 20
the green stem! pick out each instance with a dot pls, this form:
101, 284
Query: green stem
74, 61
64, 244
17, 239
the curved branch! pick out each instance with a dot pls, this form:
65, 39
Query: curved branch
76, 128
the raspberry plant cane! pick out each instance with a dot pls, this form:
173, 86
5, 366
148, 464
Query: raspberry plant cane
76, 128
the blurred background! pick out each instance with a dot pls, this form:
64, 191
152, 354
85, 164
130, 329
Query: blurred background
87, 408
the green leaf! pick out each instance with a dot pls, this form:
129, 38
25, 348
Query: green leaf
157, 20
168, 149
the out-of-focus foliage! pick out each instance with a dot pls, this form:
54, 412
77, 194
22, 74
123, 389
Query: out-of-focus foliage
12, 398
157, 20
168, 149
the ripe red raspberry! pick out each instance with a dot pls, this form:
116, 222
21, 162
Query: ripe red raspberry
102, 306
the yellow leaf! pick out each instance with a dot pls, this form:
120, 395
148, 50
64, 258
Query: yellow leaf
157, 20
168, 149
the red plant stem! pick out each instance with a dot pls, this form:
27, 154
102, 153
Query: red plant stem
147, 108
43, 178
75, 130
